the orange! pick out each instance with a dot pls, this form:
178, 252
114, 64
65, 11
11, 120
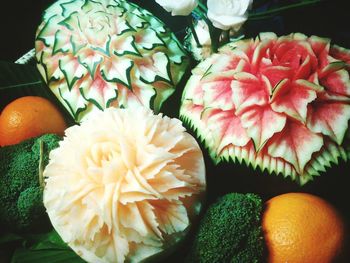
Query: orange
303, 228
29, 117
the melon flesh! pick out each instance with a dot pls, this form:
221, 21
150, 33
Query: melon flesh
278, 103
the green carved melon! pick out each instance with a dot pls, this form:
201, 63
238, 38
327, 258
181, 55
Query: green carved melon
98, 54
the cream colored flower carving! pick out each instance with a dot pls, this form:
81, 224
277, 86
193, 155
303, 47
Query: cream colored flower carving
124, 185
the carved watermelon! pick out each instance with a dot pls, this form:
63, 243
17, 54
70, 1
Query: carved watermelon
97, 54
278, 103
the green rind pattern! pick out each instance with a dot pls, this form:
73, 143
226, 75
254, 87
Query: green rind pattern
95, 34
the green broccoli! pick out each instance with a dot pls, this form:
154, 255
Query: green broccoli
21, 189
230, 231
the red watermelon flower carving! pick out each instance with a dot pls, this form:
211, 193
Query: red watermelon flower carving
278, 103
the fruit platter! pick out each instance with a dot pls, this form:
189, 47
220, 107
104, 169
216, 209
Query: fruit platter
209, 131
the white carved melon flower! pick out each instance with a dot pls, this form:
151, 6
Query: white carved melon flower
124, 185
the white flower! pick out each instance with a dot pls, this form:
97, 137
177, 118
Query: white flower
202, 32
227, 14
124, 185
178, 7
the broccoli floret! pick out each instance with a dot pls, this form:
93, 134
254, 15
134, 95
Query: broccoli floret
230, 231
20, 189
30, 207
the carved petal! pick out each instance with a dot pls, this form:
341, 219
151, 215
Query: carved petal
293, 98
262, 123
295, 144
248, 90
226, 128
218, 92
329, 118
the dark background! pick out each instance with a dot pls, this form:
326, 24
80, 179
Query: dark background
19, 20
18, 23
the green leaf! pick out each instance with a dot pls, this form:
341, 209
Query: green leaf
51, 255
50, 240
18, 80
47, 247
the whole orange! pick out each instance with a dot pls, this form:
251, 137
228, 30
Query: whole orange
28, 117
300, 227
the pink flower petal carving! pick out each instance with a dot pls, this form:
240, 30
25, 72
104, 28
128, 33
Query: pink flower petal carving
248, 90
295, 144
225, 127
282, 106
262, 123
218, 91
337, 82
292, 98
328, 118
